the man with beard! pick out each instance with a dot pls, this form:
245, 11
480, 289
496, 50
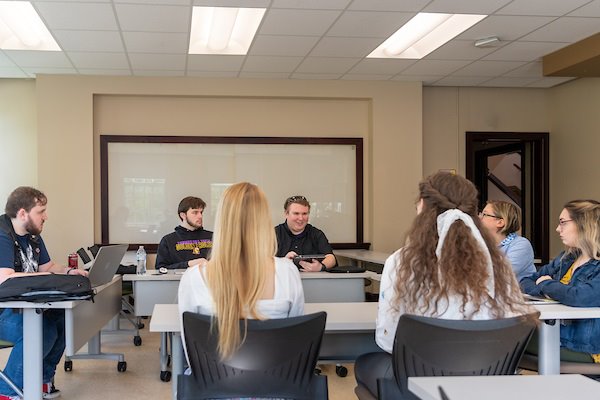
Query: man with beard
190, 244
22, 251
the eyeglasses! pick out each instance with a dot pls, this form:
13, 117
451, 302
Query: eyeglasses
482, 214
562, 222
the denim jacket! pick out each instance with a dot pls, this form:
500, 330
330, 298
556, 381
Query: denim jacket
581, 335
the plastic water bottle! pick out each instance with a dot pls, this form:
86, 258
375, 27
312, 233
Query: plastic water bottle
140, 257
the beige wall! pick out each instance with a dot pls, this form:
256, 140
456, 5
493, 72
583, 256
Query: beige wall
18, 136
70, 109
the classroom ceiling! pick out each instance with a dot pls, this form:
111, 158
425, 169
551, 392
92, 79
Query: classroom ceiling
308, 39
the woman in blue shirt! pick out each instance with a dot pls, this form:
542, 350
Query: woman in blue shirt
503, 220
573, 278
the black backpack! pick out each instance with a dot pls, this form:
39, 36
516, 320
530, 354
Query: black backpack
46, 288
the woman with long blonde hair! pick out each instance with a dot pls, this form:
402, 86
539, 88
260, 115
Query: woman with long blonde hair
243, 279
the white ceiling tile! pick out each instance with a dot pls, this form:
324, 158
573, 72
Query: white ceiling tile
345, 47
460, 50
264, 75
232, 3
488, 68
47, 59
14, 72
369, 24
271, 64
549, 81
150, 42
157, 2
523, 51
389, 5
84, 16
89, 40
297, 22
155, 18
266, 45
589, 10
567, 29
213, 74
315, 76
312, 4
326, 65
529, 70
460, 81
504, 27
365, 77
71, 1
171, 62
381, 66
100, 71
426, 79
541, 7
49, 70
161, 72
504, 81
465, 6
434, 67
99, 60
198, 62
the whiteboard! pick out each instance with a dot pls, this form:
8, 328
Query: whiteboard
144, 179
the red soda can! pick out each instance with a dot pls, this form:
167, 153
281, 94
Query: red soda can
73, 260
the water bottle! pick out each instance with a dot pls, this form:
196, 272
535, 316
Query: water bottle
140, 257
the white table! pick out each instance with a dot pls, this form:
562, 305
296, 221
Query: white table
360, 256
83, 322
549, 344
349, 331
517, 387
319, 287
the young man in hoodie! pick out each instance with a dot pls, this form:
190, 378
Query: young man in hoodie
190, 244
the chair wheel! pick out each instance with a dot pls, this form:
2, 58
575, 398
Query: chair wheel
122, 366
318, 371
140, 325
137, 340
68, 366
341, 371
165, 376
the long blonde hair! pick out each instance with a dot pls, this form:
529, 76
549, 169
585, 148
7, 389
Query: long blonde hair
586, 216
244, 245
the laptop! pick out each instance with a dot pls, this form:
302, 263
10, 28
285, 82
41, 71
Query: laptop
106, 263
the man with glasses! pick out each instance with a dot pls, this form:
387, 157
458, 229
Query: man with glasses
297, 237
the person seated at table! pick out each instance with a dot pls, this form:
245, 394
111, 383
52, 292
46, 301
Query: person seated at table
573, 278
242, 279
449, 268
502, 220
190, 243
297, 237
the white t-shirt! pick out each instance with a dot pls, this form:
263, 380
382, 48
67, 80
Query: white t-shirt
288, 300
387, 317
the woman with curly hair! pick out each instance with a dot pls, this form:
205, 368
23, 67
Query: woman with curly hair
449, 268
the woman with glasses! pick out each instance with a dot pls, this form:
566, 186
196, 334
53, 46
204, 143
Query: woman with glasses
573, 278
502, 220
243, 279
449, 268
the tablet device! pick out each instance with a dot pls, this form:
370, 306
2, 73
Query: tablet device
309, 258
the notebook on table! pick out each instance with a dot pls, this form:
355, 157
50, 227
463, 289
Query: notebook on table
104, 266
538, 300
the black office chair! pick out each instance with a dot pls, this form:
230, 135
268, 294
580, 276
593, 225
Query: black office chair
276, 360
6, 345
426, 346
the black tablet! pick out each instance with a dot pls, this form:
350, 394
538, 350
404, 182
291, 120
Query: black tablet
309, 258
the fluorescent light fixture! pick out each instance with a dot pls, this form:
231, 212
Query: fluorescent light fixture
424, 33
223, 30
21, 28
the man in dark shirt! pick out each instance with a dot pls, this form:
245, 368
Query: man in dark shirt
190, 244
297, 237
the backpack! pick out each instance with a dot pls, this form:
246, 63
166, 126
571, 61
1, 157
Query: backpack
46, 288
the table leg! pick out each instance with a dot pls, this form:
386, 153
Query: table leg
32, 353
549, 348
177, 360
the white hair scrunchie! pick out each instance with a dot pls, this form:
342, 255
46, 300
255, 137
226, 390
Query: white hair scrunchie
445, 221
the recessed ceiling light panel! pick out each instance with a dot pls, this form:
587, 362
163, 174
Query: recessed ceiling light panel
223, 30
424, 33
21, 28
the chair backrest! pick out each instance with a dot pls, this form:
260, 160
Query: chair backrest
426, 346
276, 359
